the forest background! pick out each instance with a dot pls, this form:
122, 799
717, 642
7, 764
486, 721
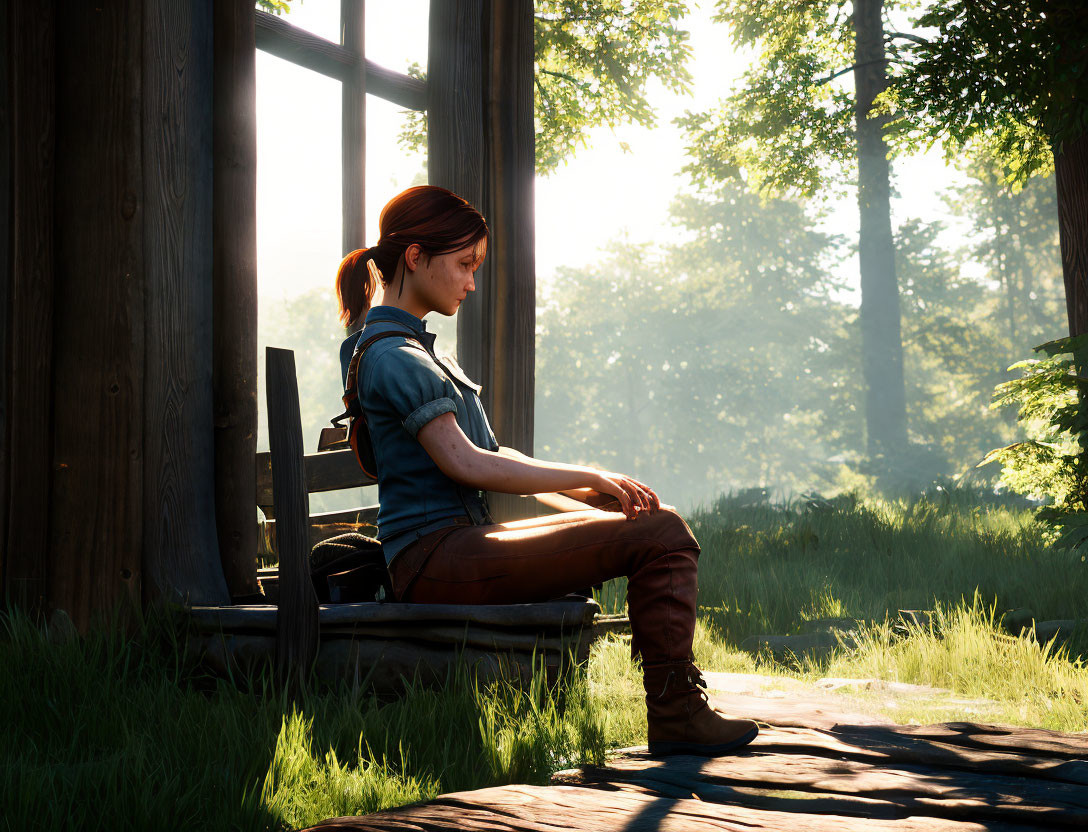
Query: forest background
725, 353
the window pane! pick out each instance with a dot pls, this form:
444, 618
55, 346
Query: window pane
298, 232
320, 17
396, 33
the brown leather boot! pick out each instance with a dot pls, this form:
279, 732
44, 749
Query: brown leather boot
680, 719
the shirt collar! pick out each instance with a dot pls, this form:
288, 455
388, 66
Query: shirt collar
394, 313
398, 315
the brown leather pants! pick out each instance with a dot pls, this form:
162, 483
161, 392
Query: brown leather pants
525, 561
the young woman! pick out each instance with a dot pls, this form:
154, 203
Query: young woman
436, 455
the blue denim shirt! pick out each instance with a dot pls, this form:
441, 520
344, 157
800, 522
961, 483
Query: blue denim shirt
401, 389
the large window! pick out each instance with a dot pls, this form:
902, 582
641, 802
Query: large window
328, 158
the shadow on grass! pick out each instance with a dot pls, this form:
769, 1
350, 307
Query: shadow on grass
115, 731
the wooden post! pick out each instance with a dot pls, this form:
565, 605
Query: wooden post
297, 619
181, 554
481, 146
510, 300
235, 292
455, 139
29, 334
353, 126
6, 133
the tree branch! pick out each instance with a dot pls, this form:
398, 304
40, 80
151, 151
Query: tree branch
851, 68
906, 36
565, 76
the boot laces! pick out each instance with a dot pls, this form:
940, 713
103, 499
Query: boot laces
697, 682
693, 676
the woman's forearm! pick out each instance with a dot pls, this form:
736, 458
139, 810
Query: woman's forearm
490, 471
569, 499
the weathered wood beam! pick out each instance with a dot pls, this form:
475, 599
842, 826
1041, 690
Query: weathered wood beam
99, 305
353, 127
234, 298
510, 299
553, 614
481, 146
29, 325
6, 219
384, 666
296, 617
278, 37
325, 471
180, 546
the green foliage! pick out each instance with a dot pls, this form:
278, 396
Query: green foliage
1015, 234
594, 62
1012, 75
954, 348
1053, 462
788, 127
767, 567
277, 7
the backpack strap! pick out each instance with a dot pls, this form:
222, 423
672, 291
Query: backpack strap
351, 388
353, 409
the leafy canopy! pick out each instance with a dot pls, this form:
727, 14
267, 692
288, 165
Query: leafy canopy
594, 62
1012, 74
789, 126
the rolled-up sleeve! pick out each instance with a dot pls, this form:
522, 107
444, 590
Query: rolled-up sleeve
416, 389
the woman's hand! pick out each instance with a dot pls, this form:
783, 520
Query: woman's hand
632, 495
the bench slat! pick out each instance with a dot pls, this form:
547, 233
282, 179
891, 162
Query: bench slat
325, 471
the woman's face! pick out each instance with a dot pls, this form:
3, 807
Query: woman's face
444, 281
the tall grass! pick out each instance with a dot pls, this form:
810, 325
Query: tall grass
964, 649
767, 568
111, 732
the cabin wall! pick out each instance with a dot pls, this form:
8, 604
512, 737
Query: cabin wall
179, 543
95, 504
29, 316
109, 469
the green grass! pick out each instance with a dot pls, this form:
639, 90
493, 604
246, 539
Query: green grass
110, 732
966, 651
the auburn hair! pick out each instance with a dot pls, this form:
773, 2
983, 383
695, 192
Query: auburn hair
437, 220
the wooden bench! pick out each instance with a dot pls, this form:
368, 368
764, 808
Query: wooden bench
382, 643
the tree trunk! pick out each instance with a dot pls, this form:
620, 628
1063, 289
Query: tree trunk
882, 347
1071, 178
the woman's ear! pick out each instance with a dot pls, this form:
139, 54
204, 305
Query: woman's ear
411, 256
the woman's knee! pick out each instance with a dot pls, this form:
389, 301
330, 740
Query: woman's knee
673, 531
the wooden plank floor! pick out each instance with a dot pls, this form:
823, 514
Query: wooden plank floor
824, 776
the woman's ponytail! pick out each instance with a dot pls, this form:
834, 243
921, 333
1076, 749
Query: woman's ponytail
355, 284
